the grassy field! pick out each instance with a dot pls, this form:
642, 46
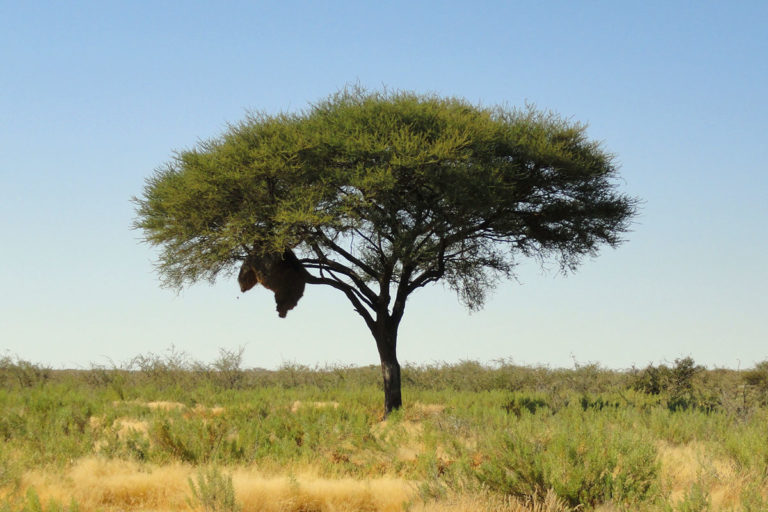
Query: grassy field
165, 433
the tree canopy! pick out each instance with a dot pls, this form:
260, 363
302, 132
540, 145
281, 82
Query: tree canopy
378, 194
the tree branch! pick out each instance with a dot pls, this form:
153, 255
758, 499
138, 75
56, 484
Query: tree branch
402, 294
327, 264
373, 244
349, 257
349, 291
314, 264
433, 274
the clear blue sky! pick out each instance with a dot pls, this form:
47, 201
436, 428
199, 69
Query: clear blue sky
95, 95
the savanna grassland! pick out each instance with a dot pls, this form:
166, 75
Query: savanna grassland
165, 433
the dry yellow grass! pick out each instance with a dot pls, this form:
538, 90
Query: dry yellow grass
154, 405
408, 434
112, 485
428, 409
164, 406
488, 503
307, 492
202, 410
298, 404
126, 426
683, 466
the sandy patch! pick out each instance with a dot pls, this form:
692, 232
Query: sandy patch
298, 404
165, 406
429, 409
208, 411
154, 405
127, 426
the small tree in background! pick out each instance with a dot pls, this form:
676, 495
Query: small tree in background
378, 194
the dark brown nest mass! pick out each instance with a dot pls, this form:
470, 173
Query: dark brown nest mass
280, 272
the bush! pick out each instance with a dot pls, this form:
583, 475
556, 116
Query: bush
15, 371
31, 503
518, 404
683, 386
581, 456
653, 380
195, 440
213, 491
757, 379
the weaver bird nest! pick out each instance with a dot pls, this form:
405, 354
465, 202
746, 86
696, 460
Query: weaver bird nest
281, 272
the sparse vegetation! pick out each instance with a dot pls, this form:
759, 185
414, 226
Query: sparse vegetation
214, 491
163, 432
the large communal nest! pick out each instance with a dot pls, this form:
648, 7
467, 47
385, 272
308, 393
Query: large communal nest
280, 272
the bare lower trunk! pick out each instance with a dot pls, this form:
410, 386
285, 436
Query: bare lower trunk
392, 397
386, 341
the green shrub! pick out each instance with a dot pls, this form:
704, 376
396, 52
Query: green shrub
653, 380
695, 500
685, 386
10, 473
747, 444
752, 499
757, 379
16, 371
31, 503
584, 458
521, 403
213, 491
194, 440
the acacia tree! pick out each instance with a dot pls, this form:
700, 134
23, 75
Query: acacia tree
378, 194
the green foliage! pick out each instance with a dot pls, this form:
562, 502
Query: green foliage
752, 499
422, 187
519, 403
682, 384
228, 368
197, 440
31, 503
18, 372
584, 458
213, 491
757, 379
421, 171
746, 443
10, 472
652, 380
695, 500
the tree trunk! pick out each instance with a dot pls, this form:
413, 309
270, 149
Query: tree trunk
386, 342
